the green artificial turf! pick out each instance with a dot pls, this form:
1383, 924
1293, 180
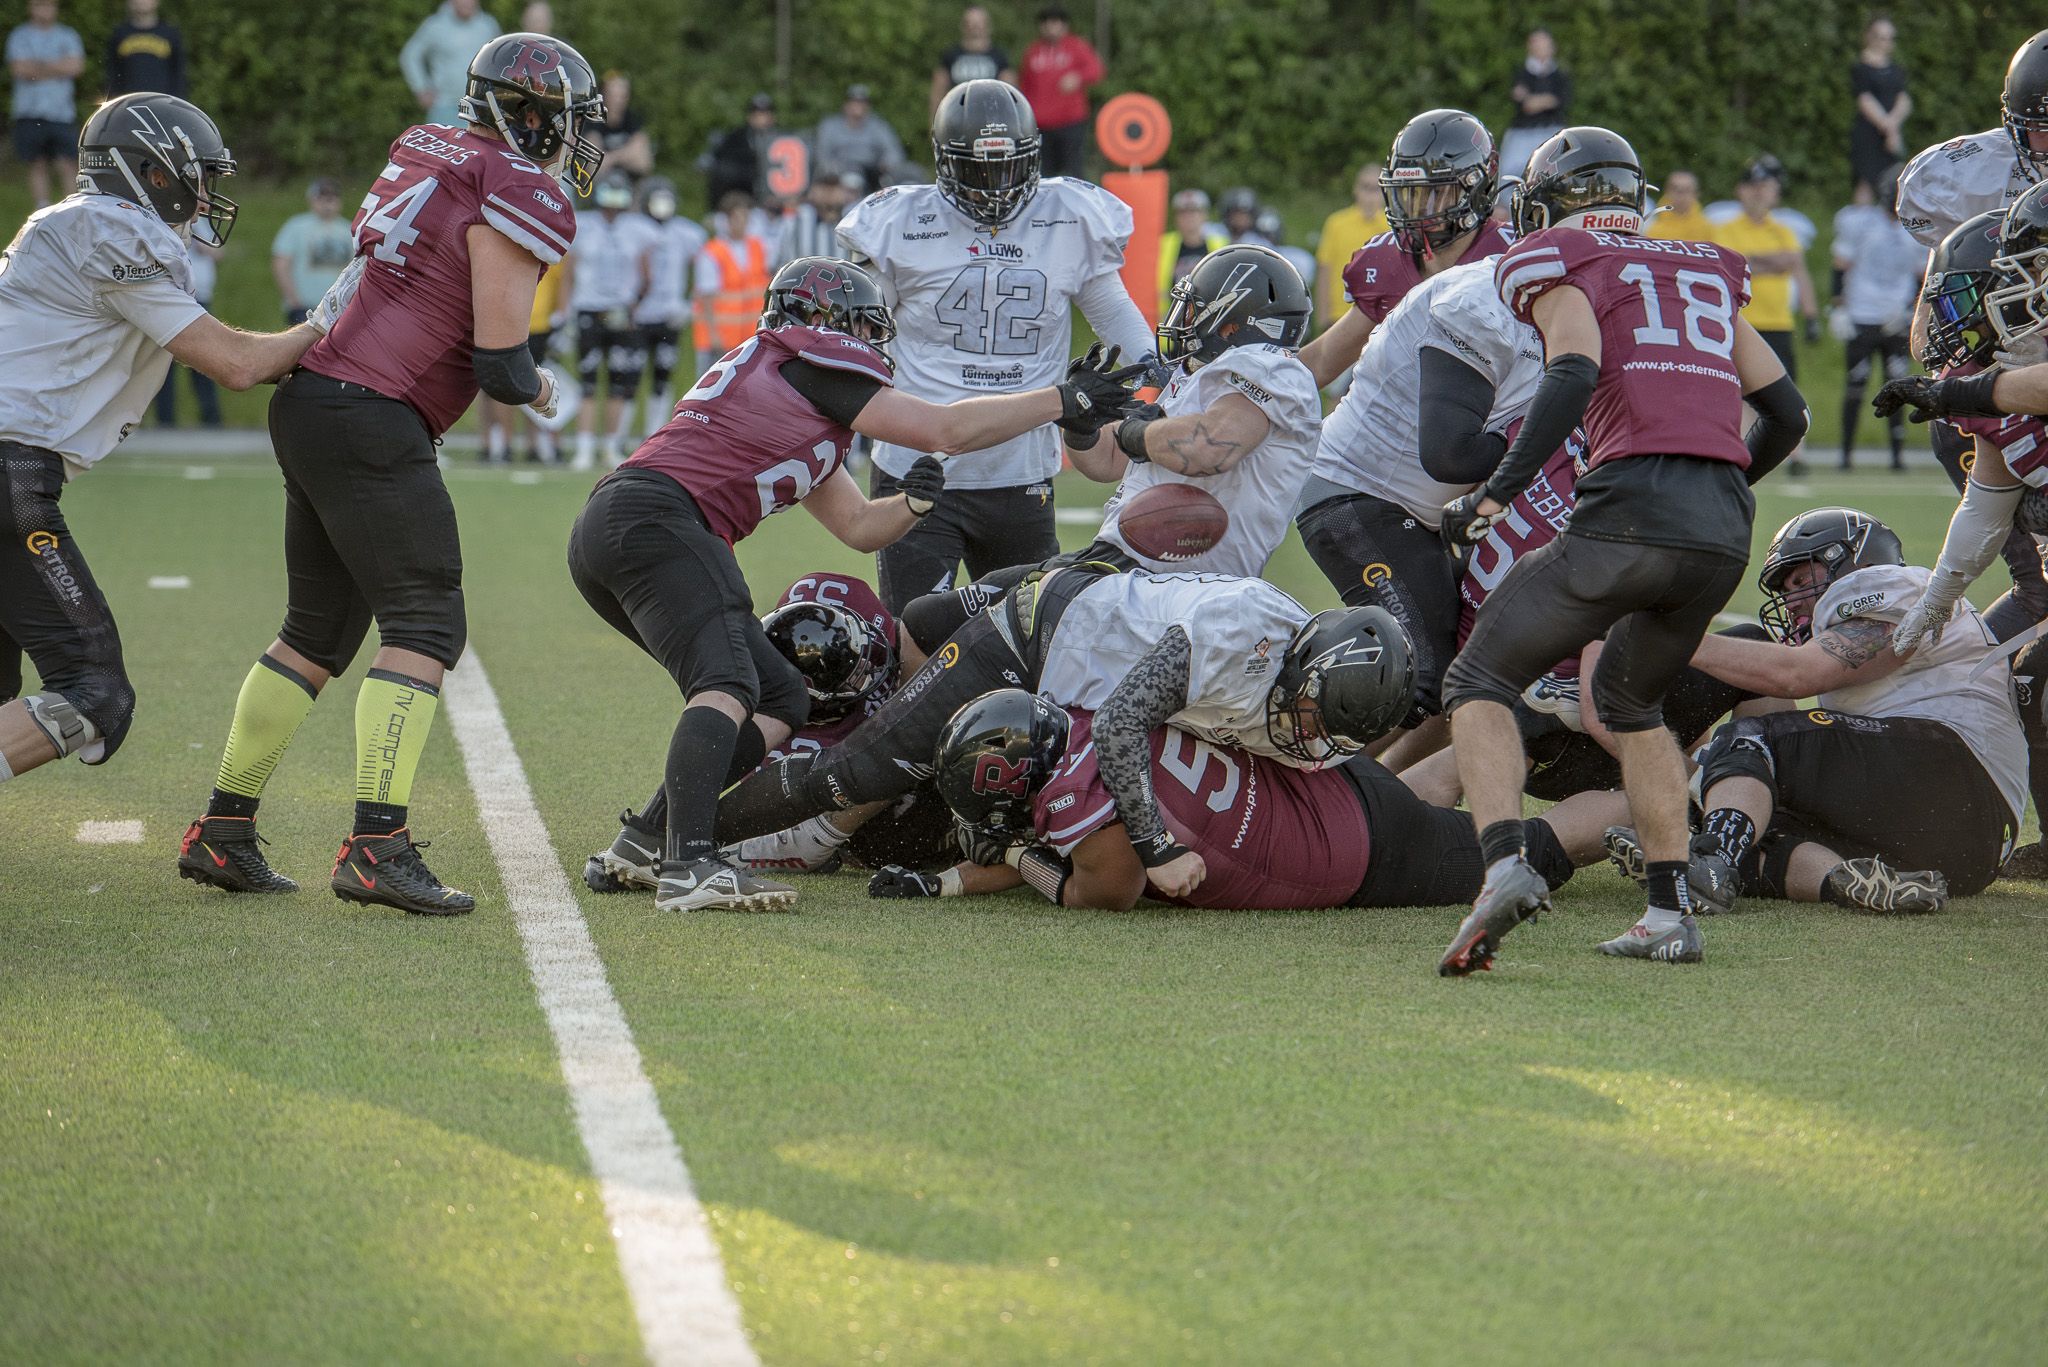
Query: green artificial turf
976, 1132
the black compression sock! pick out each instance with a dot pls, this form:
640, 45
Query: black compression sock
698, 756
1729, 832
747, 752
1667, 885
769, 800
1501, 840
654, 816
230, 804
378, 818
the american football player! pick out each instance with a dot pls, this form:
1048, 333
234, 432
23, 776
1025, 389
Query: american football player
1644, 343
984, 270
665, 309
609, 271
95, 302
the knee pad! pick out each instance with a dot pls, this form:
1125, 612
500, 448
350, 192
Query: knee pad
1545, 853
934, 617
1766, 867
73, 732
1738, 750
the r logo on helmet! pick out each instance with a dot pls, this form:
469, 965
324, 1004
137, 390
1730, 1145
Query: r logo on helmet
532, 67
994, 774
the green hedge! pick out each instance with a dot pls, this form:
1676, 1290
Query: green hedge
1284, 94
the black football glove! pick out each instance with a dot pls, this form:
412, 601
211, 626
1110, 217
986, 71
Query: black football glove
1464, 526
896, 881
1930, 398
1096, 391
922, 484
979, 845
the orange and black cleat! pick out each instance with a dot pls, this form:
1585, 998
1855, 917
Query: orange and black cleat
222, 852
387, 871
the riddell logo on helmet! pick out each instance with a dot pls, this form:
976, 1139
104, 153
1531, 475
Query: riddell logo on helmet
985, 147
1407, 173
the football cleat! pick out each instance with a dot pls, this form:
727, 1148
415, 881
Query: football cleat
714, 885
1626, 855
1708, 878
1558, 697
1679, 945
221, 852
1873, 885
811, 847
2029, 862
387, 871
631, 863
1513, 893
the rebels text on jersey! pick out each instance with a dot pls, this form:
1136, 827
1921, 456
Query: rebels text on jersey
1534, 519
840, 590
1667, 313
2021, 438
408, 333
744, 442
1273, 837
1380, 274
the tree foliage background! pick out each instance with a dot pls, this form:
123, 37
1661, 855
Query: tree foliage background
1284, 95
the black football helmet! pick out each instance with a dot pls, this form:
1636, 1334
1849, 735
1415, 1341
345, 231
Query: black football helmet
1839, 540
820, 292
1960, 278
1584, 178
543, 98
1441, 178
986, 144
842, 658
2024, 105
133, 141
2018, 301
657, 198
1347, 678
1235, 296
996, 754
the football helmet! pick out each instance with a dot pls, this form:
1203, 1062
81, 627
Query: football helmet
1235, 296
1347, 678
1441, 178
2024, 104
658, 198
614, 190
1960, 278
820, 292
1584, 178
842, 658
985, 142
2018, 301
1839, 540
132, 141
543, 98
996, 754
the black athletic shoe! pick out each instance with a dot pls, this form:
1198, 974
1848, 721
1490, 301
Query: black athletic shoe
633, 862
387, 871
1873, 885
221, 852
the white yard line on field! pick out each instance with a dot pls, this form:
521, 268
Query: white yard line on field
686, 1309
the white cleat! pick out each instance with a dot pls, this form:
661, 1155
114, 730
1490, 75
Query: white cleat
714, 885
1679, 945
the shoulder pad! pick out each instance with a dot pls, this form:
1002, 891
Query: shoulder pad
836, 351
533, 210
129, 245
1882, 593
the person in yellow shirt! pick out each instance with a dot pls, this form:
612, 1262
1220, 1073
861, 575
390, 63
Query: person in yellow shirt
1680, 217
1192, 238
1344, 232
1777, 264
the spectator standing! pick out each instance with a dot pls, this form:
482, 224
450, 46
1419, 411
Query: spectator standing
1191, 238
205, 274
1058, 69
1344, 232
1879, 266
625, 141
730, 281
665, 309
974, 58
1680, 217
857, 139
1777, 267
436, 58
537, 17
145, 54
607, 278
45, 57
310, 250
1877, 137
739, 157
1543, 96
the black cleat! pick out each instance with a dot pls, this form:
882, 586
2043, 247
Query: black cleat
631, 864
1873, 885
221, 852
1513, 893
387, 871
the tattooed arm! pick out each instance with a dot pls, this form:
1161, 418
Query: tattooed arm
1847, 653
1197, 444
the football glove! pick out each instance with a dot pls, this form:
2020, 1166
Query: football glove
1930, 616
893, 880
1930, 398
922, 484
327, 312
562, 402
1464, 526
1097, 391
979, 845
2031, 350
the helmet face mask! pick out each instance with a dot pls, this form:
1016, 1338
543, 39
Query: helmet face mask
1237, 296
819, 292
1960, 281
2018, 300
542, 97
986, 146
843, 660
1440, 180
165, 153
1348, 678
2023, 105
1837, 541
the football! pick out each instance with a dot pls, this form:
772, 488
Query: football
1173, 522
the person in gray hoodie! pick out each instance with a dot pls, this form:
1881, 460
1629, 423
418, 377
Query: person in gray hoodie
436, 58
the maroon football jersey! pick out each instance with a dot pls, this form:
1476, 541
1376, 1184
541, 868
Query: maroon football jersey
1380, 273
856, 597
1667, 314
408, 331
746, 444
1273, 836
1535, 518
2022, 438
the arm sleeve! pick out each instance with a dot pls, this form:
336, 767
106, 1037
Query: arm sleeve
1154, 690
1107, 306
839, 394
1456, 448
1559, 404
1978, 530
507, 374
1780, 423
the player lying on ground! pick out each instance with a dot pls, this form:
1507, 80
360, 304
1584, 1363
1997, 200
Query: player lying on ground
451, 242
1229, 660
1907, 763
1025, 778
95, 302
769, 426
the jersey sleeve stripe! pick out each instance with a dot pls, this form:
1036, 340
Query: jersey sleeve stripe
1066, 837
1528, 271
859, 365
546, 251
561, 243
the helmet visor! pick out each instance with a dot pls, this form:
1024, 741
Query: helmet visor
1420, 202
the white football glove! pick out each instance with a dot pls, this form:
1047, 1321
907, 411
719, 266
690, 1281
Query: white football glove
1840, 324
562, 402
1930, 616
325, 313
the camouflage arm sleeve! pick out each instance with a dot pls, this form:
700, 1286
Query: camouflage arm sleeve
1154, 690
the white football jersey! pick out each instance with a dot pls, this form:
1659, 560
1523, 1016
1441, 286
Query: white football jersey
1371, 443
1957, 180
608, 260
986, 314
675, 245
1239, 629
91, 291
1935, 683
1259, 491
